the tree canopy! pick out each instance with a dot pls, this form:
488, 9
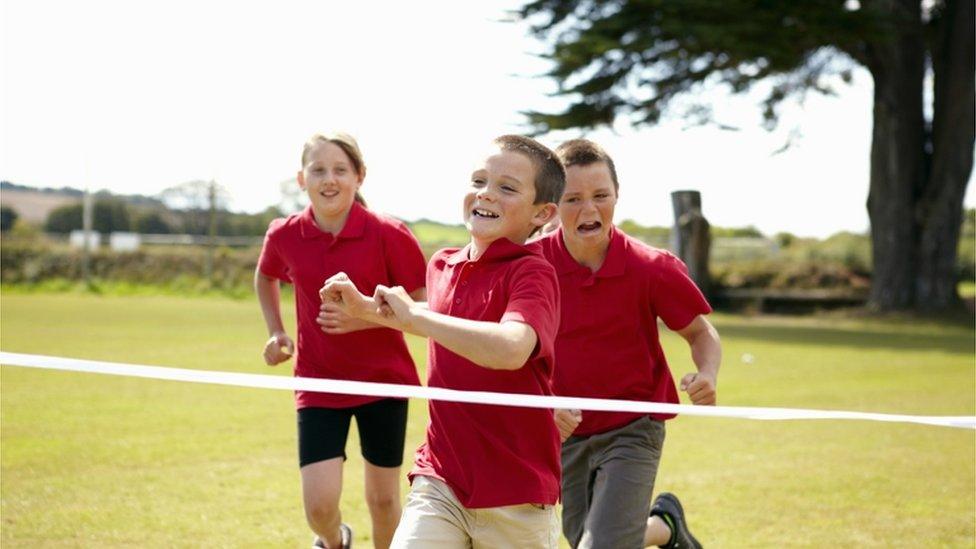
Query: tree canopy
635, 58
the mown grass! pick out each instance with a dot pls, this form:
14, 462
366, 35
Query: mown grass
967, 289
91, 460
185, 286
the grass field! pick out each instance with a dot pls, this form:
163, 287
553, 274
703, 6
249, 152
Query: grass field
967, 289
94, 461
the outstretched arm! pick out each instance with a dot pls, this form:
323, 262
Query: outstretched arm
333, 319
494, 345
706, 353
342, 294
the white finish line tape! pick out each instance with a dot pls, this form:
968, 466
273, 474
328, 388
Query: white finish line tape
264, 381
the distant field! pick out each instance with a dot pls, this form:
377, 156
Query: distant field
34, 206
104, 461
436, 234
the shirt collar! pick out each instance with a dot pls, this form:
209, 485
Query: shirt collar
616, 260
613, 263
502, 249
354, 228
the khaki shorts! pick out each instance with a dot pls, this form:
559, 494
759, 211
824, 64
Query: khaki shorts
434, 518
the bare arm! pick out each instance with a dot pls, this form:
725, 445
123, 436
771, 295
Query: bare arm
279, 346
501, 346
706, 353
497, 346
333, 319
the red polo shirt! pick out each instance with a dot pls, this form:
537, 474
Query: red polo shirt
492, 456
372, 249
608, 343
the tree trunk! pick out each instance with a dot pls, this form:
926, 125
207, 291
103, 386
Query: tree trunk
940, 207
897, 174
692, 237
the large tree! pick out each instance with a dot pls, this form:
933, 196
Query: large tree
633, 58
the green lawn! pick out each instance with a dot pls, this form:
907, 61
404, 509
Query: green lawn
91, 460
967, 289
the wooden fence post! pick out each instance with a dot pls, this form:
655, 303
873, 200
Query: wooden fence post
691, 238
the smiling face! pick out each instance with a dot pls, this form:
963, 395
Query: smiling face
586, 208
331, 180
501, 200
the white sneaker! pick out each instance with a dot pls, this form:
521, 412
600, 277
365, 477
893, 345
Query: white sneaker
345, 533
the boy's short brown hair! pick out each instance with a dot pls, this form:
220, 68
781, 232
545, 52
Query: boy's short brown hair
550, 176
583, 152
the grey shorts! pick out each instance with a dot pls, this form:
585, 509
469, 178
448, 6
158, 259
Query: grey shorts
607, 483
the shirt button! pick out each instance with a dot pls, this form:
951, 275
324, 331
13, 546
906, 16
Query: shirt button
464, 282
457, 301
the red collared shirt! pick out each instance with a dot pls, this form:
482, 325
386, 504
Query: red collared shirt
492, 456
372, 249
608, 344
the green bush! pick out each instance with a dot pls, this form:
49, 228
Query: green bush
31, 263
647, 234
780, 275
742, 232
152, 223
7, 218
108, 215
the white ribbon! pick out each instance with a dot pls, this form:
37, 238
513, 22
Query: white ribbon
451, 395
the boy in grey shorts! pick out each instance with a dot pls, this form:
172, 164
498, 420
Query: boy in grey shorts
613, 290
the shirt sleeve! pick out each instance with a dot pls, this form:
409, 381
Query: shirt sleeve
405, 263
270, 263
534, 300
675, 297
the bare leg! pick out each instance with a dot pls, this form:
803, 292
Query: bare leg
321, 488
383, 499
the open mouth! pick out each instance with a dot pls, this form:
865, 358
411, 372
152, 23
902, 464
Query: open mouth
485, 214
589, 227
329, 194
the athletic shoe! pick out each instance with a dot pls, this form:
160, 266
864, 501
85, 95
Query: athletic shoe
669, 509
345, 532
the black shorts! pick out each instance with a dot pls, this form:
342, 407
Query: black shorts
382, 425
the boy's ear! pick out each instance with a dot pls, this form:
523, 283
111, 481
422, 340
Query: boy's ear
301, 179
545, 214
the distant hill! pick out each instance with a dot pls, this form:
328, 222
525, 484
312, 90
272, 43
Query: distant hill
7, 185
33, 204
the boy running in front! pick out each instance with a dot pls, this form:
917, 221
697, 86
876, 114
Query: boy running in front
614, 289
486, 476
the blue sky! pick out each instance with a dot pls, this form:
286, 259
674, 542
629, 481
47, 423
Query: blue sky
136, 97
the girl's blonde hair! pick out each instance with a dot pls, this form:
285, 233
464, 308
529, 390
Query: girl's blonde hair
345, 142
